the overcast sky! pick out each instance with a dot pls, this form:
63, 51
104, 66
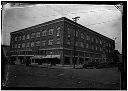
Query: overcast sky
104, 19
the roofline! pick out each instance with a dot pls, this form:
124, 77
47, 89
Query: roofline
58, 20
39, 25
79, 25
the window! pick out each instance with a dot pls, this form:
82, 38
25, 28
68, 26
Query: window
38, 34
68, 42
58, 31
82, 35
81, 44
109, 45
92, 39
19, 37
44, 33
19, 45
27, 44
96, 48
50, 42
38, 43
76, 43
28, 36
43, 43
23, 45
58, 41
32, 44
92, 47
76, 33
51, 31
100, 49
96, 40
15, 38
100, 42
88, 38
87, 45
15, 45
23, 37
33, 35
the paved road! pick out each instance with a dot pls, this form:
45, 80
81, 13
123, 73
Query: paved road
22, 76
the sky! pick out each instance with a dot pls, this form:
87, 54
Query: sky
104, 19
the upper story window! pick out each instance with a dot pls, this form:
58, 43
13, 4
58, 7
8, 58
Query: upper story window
96, 40
82, 44
88, 37
23, 37
43, 42
27, 45
109, 45
28, 36
76, 33
50, 42
68, 42
100, 48
96, 48
32, 44
92, 39
19, 37
33, 35
100, 42
58, 31
82, 35
50, 31
15, 38
15, 45
19, 45
38, 34
76, 43
23, 45
92, 47
58, 41
38, 43
87, 45
44, 33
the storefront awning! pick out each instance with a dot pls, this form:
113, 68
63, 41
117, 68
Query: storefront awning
52, 56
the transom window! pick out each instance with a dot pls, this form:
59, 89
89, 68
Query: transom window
44, 33
51, 31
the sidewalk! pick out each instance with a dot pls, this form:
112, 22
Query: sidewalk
57, 66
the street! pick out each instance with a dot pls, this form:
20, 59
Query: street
34, 76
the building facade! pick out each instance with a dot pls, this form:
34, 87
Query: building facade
56, 38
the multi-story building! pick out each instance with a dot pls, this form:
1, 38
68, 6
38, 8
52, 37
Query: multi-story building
56, 39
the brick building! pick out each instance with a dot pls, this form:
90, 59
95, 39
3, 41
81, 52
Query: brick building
56, 39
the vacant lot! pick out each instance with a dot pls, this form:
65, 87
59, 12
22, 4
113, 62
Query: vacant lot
22, 76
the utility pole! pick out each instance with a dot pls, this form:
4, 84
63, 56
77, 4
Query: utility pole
75, 20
